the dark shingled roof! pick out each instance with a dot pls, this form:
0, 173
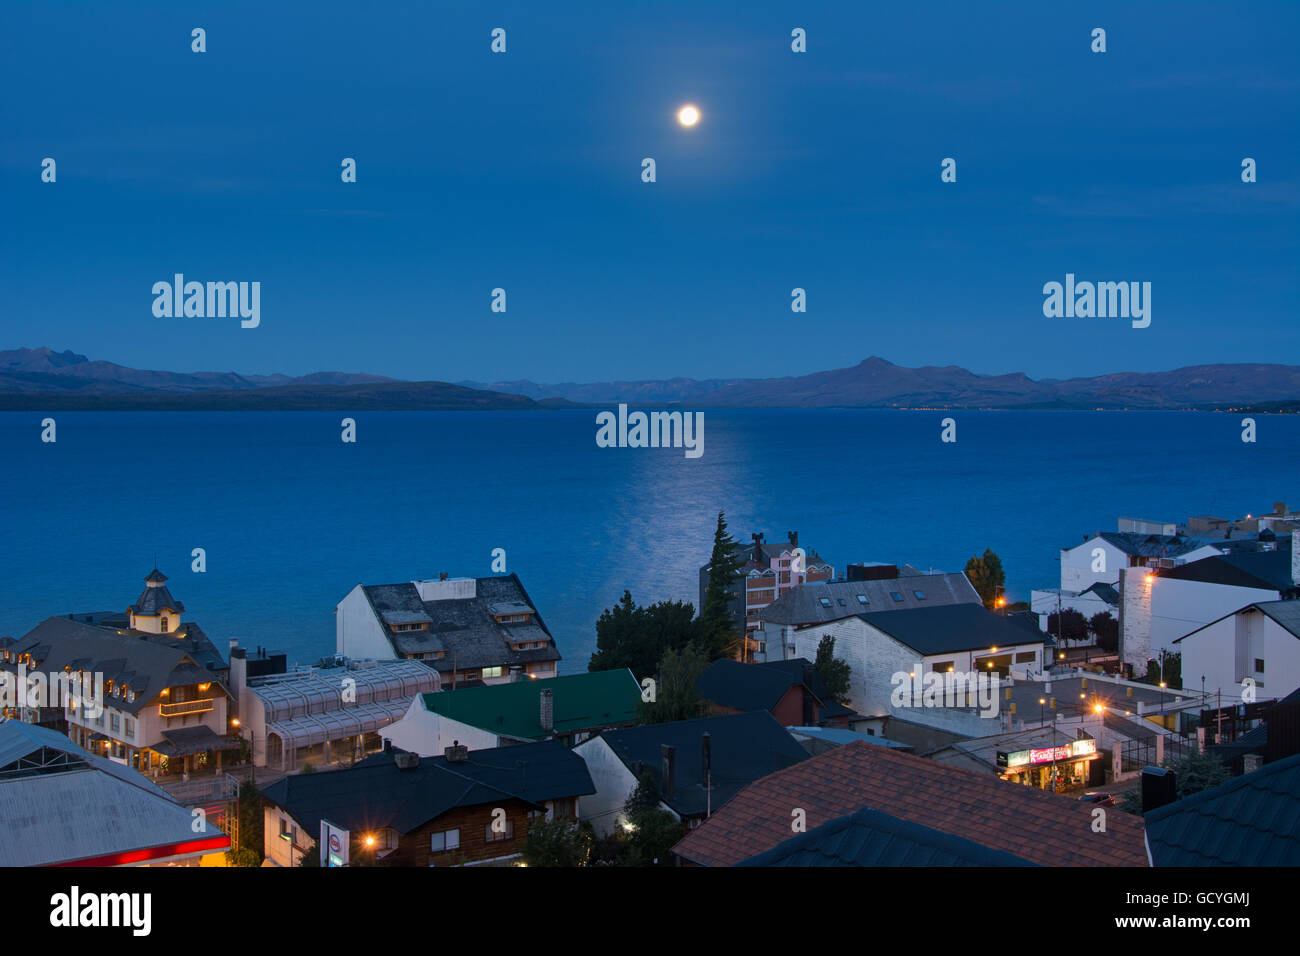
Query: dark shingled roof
463, 628
743, 747
377, 793
871, 838
761, 686
803, 604
1266, 570
1252, 820
155, 598
956, 627
1151, 545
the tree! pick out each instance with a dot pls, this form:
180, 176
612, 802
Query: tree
675, 695
1193, 772
718, 627
558, 843
651, 833
1069, 626
637, 637
834, 673
1106, 630
249, 810
986, 577
1169, 669
243, 857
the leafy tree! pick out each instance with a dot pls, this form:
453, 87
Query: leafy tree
675, 695
718, 627
1193, 772
249, 811
1069, 626
986, 577
1106, 630
311, 858
637, 637
558, 843
1169, 668
243, 857
652, 832
834, 673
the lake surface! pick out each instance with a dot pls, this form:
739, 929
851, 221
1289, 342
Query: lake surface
291, 517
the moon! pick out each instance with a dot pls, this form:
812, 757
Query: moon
688, 115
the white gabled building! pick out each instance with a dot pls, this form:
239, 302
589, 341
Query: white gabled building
962, 638
1259, 642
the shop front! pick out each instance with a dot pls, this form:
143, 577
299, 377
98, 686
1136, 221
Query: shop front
1063, 768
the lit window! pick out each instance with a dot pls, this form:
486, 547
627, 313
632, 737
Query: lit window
491, 835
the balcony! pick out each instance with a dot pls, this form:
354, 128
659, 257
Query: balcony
182, 707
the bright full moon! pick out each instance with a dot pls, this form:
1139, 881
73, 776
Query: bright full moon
688, 115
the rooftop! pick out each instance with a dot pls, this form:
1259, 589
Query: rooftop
588, 701
823, 602
1035, 825
1252, 820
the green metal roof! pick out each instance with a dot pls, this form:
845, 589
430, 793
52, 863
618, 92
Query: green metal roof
591, 701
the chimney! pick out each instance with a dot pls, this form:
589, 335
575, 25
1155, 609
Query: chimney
794, 538
442, 575
667, 770
1279, 508
516, 674
457, 752
406, 761
705, 758
1295, 558
548, 710
1159, 787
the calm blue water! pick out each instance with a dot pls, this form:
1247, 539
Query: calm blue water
292, 518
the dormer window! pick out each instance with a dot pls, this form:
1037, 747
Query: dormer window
164, 622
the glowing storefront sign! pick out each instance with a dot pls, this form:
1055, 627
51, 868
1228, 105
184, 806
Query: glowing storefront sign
1026, 758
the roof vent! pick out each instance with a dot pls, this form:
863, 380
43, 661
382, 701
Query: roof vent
406, 761
457, 753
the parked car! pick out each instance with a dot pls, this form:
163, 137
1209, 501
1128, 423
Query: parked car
1098, 799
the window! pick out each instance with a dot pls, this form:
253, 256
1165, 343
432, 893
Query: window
446, 840
897, 596
164, 622
919, 595
941, 667
1259, 665
842, 602
287, 832
492, 672
114, 723
826, 602
130, 728
1028, 657
492, 836
862, 599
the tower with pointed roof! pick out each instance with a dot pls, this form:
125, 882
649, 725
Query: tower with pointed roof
156, 611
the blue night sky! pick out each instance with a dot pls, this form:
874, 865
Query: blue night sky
522, 171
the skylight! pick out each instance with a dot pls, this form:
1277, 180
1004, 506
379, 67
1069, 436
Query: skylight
826, 602
919, 595
896, 595
862, 599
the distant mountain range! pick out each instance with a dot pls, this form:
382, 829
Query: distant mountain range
45, 379
877, 383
